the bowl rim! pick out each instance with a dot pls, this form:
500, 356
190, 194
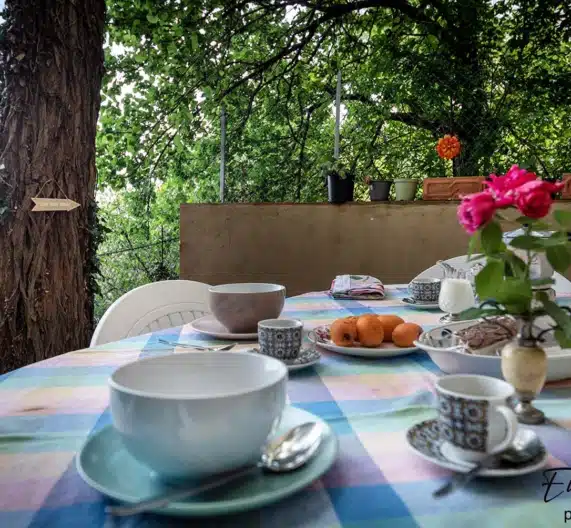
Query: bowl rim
272, 288
114, 384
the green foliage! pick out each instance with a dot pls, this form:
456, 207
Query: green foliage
494, 73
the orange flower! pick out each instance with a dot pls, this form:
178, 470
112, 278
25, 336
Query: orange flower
448, 147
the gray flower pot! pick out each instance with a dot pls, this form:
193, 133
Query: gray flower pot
405, 190
379, 190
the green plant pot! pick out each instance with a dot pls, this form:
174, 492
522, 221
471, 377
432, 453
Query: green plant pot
405, 190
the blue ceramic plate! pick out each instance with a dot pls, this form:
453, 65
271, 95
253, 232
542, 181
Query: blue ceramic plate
106, 466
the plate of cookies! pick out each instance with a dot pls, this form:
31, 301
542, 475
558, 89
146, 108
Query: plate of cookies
368, 335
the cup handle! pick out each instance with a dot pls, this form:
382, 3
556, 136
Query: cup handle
512, 425
312, 336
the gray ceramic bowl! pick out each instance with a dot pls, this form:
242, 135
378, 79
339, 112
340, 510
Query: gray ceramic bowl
240, 306
196, 414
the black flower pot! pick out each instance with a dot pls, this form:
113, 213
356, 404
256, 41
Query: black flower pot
379, 190
340, 190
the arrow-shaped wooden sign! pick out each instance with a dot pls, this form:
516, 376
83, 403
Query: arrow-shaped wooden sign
53, 204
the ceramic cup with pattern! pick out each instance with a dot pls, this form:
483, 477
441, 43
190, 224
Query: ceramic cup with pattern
475, 416
425, 290
280, 338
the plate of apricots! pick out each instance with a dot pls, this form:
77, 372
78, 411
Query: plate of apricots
368, 335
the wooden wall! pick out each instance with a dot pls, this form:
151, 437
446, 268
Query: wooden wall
303, 246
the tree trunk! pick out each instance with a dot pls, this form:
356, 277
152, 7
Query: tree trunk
52, 67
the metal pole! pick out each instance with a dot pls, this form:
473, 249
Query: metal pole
222, 152
337, 114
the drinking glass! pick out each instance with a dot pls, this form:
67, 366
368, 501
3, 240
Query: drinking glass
456, 295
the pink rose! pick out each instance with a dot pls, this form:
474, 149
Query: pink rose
476, 210
504, 188
534, 199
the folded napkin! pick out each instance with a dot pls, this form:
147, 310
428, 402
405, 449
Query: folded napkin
357, 287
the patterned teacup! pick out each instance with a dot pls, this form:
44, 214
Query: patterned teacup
475, 416
425, 290
280, 338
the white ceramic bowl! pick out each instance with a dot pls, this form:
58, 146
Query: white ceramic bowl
454, 361
196, 414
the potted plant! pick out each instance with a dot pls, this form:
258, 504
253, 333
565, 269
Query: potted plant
379, 190
340, 182
510, 284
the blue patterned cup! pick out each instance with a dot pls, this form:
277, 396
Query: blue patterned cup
425, 290
475, 416
280, 338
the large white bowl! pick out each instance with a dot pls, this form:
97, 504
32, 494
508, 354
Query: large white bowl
196, 414
454, 361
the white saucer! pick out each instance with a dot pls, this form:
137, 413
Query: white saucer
209, 325
385, 350
421, 305
424, 439
105, 465
307, 357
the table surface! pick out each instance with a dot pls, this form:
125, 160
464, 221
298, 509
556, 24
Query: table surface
48, 409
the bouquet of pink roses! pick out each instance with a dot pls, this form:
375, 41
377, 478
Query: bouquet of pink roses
505, 280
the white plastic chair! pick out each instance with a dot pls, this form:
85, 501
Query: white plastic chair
561, 286
152, 307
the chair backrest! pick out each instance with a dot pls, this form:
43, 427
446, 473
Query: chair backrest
561, 286
152, 307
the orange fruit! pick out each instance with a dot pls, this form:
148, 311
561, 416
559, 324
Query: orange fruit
405, 334
344, 332
390, 322
369, 331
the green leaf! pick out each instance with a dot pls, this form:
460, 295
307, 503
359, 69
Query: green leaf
527, 242
560, 316
559, 257
474, 244
515, 264
489, 278
562, 339
152, 18
524, 220
542, 282
194, 41
476, 313
140, 57
491, 238
515, 294
556, 239
563, 218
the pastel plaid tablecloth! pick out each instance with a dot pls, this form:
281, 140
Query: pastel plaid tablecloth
48, 409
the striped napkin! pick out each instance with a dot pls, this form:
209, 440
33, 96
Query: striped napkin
357, 287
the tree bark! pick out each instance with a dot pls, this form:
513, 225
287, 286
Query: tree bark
51, 70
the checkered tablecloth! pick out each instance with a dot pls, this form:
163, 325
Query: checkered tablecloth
48, 409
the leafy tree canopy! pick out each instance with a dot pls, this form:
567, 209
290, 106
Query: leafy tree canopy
497, 73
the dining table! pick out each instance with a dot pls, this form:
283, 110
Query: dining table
49, 409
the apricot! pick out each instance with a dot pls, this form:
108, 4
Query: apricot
344, 332
405, 334
389, 322
369, 331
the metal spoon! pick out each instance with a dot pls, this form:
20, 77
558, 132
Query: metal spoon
526, 446
283, 454
197, 347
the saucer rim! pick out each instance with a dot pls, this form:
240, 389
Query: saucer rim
422, 304
232, 506
222, 335
293, 366
463, 468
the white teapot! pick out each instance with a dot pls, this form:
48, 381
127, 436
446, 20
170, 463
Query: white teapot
540, 267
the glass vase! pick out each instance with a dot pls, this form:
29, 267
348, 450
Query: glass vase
524, 366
